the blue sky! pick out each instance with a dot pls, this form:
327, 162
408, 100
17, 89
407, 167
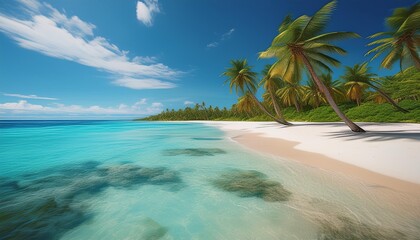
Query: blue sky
77, 59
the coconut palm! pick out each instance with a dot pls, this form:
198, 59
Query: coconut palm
355, 90
291, 94
334, 87
271, 84
359, 78
402, 41
312, 96
243, 79
246, 103
301, 44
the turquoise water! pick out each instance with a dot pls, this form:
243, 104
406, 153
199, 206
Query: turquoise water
148, 180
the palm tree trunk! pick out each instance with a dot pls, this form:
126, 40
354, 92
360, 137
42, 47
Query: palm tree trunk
263, 108
297, 105
277, 108
354, 127
392, 102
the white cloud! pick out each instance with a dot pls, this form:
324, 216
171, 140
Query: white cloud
213, 44
28, 96
228, 34
24, 107
145, 11
150, 83
52, 33
188, 103
145, 60
141, 102
225, 36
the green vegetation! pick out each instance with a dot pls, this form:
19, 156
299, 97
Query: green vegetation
366, 112
302, 46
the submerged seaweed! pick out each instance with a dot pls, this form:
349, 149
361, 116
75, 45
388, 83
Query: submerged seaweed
347, 229
195, 152
252, 184
48, 206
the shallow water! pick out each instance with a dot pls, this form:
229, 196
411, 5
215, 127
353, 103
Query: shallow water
148, 180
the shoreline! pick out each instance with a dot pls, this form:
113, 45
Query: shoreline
294, 144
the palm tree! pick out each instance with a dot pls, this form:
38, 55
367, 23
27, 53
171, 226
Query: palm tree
271, 84
243, 79
291, 94
246, 103
355, 90
334, 87
358, 78
402, 41
312, 95
301, 44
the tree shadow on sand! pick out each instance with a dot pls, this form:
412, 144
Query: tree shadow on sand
377, 136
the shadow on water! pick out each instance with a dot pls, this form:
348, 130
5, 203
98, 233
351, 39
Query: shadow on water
195, 152
45, 205
377, 136
252, 184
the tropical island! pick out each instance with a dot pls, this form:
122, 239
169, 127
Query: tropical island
302, 47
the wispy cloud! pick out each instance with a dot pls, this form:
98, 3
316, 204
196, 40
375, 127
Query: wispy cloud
188, 103
225, 36
145, 11
23, 107
52, 33
28, 96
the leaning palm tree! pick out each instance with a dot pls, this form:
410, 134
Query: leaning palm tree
243, 79
271, 84
402, 41
301, 44
358, 78
334, 87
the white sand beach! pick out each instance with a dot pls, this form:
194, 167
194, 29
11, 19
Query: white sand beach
387, 154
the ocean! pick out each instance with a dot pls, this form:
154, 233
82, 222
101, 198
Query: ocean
163, 180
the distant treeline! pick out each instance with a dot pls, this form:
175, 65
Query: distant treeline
403, 88
366, 112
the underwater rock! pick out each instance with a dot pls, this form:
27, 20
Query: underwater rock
128, 175
347, 229
38, 219
153, 230
195, 152
252, 184
46, 206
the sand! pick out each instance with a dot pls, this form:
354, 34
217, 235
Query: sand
388, 154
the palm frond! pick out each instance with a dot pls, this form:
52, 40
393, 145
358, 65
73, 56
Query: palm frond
332, 36
318, 21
